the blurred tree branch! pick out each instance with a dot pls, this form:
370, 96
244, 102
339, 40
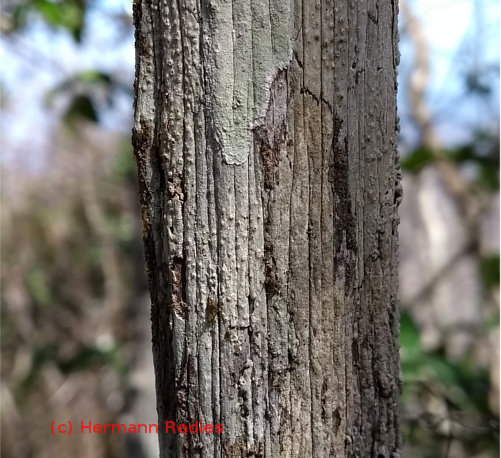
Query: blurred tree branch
421, 114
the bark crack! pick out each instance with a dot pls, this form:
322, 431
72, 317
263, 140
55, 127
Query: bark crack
319, 99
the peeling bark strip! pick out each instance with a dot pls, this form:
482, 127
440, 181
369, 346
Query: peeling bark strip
265, 142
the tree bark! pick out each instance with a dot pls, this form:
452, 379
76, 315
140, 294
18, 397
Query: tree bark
265, 139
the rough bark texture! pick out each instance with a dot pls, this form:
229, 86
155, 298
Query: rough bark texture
265, 138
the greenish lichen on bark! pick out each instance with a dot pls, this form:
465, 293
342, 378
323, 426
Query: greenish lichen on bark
246, 44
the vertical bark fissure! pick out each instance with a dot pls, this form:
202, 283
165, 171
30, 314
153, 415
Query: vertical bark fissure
190, 403
323, 319
291, 150
304, 124
166, 381
215, 233
256, 373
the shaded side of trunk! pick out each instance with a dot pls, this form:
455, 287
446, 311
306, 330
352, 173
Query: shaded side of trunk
265, 138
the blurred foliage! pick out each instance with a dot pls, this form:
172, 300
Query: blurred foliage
482, 154
71, 262
444, 400
70, 258
81, 107
87, 91
68, 15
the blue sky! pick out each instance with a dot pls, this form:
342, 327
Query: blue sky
461, 35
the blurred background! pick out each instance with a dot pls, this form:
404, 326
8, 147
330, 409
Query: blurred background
75, 335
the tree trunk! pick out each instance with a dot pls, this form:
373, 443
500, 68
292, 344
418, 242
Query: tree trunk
265, 139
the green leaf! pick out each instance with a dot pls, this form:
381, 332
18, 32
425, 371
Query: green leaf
93, 76
67, 14
492, 322
488, 177
81, 108
89, 356
41, 354
410, 345
489, 268
487, 165
72, 18
124, 163
445, 372
415, 161
36, 280
84, 83
412, 366
50, 11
